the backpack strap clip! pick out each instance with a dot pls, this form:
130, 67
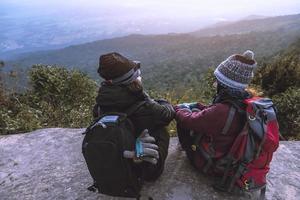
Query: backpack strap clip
93, 188
197, 148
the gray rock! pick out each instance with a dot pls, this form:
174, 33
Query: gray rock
48, 164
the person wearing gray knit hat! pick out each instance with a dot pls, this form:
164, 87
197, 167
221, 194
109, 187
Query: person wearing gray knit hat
237, 70
211, 134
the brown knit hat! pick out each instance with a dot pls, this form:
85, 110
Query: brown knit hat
114, 65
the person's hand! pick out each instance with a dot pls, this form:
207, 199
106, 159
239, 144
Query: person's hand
189, 106
161, 101
183, 106
193, 105
145, 149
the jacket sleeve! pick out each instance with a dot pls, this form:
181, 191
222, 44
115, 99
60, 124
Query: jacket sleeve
163, 112
202, 121
96, 111
201, 106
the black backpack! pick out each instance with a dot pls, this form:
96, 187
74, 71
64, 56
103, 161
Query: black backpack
103, 145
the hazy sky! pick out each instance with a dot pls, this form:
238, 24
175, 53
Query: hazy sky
65, 22
217, 9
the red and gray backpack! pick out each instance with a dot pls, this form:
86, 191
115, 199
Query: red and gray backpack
245, 166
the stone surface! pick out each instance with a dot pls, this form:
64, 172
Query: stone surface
48, 164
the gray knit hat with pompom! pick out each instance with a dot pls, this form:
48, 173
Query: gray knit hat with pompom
237, 70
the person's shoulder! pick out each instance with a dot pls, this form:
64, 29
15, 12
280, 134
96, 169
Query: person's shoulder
221, 107
143, 107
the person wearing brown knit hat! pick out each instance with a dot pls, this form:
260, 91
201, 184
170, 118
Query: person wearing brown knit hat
122, 89
118, 69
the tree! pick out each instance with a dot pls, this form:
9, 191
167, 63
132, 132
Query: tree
280, 80
64, 96
2, 92
281, 74
2, 64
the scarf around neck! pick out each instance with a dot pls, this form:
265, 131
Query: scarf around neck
229, 94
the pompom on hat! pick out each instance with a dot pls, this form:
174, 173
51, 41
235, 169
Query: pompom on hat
237, 70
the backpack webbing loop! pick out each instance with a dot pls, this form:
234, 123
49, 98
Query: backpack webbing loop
197, 148
239, 172
227, 169
262, 140
263, 193
229, 120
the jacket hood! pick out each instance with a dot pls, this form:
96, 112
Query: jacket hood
118, 97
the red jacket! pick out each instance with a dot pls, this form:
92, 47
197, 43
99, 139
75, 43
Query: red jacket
210, 121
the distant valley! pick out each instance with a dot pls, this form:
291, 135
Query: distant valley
176, 57
23, 32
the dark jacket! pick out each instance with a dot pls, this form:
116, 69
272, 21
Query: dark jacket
153, 115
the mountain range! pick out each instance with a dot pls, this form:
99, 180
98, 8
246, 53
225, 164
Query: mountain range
177, 58
254, 23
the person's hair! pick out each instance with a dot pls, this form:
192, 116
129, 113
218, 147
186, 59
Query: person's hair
135, 86
253, 92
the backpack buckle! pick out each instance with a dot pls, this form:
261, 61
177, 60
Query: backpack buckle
194, 147
246, 184
252, 118
92, 188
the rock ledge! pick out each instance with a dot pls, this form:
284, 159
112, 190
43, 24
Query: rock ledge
48, 164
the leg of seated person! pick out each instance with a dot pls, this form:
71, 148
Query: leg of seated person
186, 141
152, 172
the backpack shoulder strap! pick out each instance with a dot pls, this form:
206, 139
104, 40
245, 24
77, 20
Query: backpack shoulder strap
134, 108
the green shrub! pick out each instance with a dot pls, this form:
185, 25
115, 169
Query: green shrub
65, 97
288, 106
2, 91
58, 98
280, 80
18, 117
281, 74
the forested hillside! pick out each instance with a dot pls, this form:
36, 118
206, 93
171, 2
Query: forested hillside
64, 98
172, 67
279, 78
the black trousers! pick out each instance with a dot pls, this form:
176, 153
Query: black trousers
186, 141
151, 172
